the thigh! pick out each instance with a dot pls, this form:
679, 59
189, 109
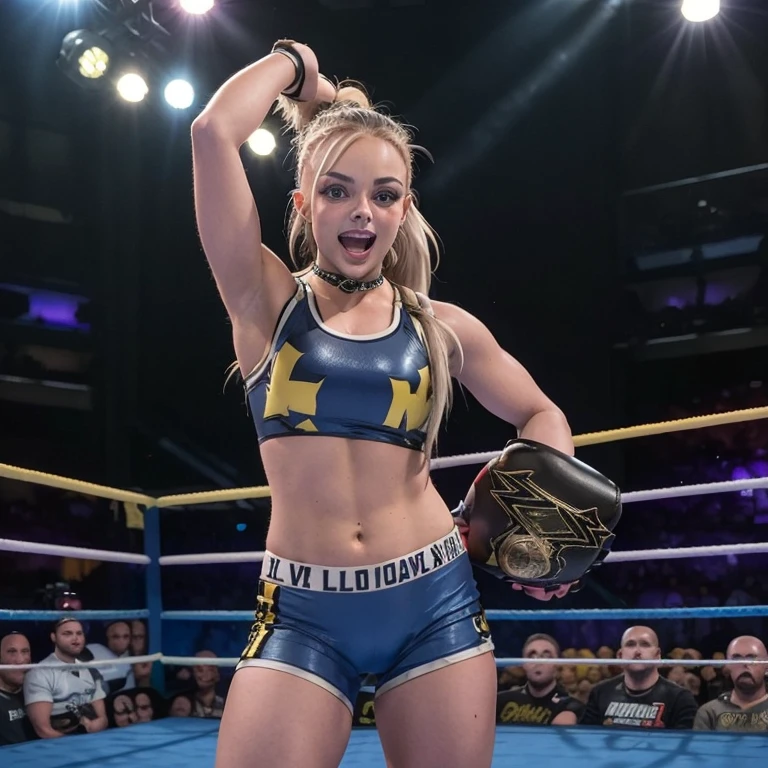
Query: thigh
276, 719
443, 719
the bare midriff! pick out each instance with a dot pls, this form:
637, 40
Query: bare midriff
342, 502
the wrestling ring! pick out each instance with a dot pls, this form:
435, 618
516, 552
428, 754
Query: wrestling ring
191, 742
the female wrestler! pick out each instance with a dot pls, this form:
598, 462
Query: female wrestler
348, 374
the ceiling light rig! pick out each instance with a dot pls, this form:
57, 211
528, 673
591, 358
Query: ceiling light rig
123, 53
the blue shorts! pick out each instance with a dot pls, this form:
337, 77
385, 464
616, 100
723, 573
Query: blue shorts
396, 620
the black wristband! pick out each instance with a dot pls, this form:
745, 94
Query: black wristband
294, 89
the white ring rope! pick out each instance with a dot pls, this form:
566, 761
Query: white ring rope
630, 556
119, 660
677, 553
192, 661
213, 557
463, 459
702, 489
38, 548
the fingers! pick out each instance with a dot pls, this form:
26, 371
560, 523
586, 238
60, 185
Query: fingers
540, 594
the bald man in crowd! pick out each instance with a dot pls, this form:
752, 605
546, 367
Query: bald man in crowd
14, 724
745, 708
640, 697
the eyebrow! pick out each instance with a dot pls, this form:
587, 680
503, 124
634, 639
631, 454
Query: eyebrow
350, 180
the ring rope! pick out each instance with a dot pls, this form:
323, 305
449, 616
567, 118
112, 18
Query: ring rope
80, 664
208, 558
13, 615
678, 553
191, 661
698, 489
263, 491
70, 484
624, 433
590, 662
212, 557
203, 497
57, 550
629, 556
572, 614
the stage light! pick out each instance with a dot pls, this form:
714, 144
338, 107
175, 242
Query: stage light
132, 87
262, 142
85, 57
179, 94
197, 7
700, 10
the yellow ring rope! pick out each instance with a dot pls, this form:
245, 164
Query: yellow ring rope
262, 491
70, 484
230, 494
678, 425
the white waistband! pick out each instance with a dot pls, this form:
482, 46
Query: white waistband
363, 578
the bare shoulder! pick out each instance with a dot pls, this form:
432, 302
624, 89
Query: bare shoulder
464, 324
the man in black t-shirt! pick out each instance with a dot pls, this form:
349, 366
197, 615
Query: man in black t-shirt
541, 701
640, 697
14, 725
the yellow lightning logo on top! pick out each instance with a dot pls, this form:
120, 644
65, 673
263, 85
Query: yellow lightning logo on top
285, 394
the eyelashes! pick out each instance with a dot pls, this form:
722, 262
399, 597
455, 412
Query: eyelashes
337, 192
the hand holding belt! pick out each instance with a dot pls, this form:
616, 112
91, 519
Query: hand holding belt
539, 516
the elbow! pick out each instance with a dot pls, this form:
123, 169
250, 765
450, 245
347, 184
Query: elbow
550, 426
562, 429
207, 128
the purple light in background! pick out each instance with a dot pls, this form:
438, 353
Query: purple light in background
54, 309
674, 301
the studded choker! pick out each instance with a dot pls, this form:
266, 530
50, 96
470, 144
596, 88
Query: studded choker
347, 284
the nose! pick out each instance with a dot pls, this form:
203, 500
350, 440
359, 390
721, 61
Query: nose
362, 211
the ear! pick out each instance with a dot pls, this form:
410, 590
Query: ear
53, 638
619, 654
300, 204
406, 207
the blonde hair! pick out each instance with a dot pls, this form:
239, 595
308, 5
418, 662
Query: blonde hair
326, 131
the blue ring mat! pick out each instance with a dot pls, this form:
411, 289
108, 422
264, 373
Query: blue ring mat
191, 743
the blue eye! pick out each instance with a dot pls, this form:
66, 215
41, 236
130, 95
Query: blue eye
332, 190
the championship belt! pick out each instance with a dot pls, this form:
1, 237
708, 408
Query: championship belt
540, 516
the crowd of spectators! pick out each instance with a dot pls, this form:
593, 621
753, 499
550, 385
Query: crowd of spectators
52, 700
631, 693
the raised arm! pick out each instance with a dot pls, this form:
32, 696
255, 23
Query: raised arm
252, 281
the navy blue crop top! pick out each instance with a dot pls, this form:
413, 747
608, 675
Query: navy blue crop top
317, 381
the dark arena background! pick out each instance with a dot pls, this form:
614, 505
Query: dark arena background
599, 184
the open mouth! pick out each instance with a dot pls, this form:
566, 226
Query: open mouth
357, 245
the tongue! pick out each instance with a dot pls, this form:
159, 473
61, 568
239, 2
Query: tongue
356, 244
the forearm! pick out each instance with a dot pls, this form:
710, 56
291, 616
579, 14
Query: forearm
550, 428
239, 107
39, 714
46, 732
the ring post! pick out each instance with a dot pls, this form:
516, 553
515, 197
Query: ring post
154, 601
